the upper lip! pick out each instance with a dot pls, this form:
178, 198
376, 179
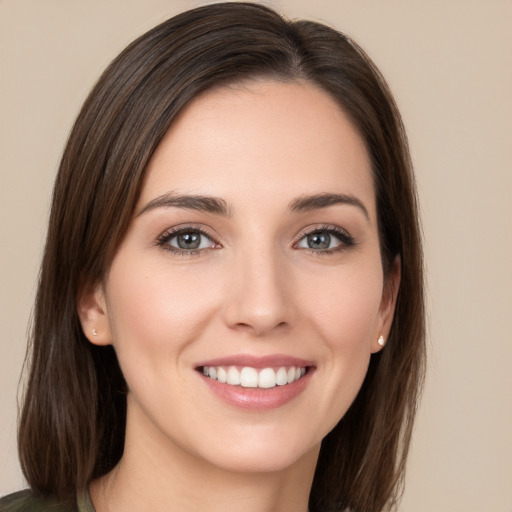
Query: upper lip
268, 361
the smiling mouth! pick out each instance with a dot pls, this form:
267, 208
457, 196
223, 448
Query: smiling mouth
248, 377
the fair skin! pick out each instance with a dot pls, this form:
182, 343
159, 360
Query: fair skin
279, 268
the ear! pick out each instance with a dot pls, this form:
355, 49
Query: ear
92, 311
388, 303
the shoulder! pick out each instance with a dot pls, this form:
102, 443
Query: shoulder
28, 501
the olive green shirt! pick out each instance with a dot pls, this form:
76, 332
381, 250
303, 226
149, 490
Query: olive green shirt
28, 501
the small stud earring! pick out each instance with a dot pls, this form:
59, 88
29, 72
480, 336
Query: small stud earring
381, 340
94, 333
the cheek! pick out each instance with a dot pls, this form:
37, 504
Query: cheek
346, 320
155, 315
346, 308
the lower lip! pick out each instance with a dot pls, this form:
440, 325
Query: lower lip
258, 399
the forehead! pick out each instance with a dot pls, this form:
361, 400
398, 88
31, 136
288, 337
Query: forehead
260, 137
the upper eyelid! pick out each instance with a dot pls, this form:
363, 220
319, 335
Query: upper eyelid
322, 227
180, 228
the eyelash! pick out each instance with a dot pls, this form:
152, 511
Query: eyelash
163, 240
345, 240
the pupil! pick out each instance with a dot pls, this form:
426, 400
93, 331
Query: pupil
319, 241
189, 240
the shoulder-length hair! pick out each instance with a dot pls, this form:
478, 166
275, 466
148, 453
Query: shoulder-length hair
73, 418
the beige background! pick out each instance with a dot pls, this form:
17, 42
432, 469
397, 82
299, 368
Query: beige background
449, 64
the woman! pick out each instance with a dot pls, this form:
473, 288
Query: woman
230, 308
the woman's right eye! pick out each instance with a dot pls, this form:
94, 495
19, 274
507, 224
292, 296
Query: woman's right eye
186, 241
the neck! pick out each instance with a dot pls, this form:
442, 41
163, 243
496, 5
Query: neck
157, 475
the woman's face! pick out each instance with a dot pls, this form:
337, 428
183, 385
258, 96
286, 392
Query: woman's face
253, 256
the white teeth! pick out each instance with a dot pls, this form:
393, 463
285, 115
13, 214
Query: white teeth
222, 375
267, 378
249, 377
233, 377
281, 377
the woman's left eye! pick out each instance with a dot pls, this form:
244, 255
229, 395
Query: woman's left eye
327, 240
186, 240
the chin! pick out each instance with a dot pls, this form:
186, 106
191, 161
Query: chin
260, 450
264, 461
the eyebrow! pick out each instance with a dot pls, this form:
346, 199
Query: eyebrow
218, 206
318, 201
189, 202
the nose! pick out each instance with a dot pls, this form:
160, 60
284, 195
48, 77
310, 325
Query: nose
259, 297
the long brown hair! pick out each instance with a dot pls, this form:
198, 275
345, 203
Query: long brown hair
73, 417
